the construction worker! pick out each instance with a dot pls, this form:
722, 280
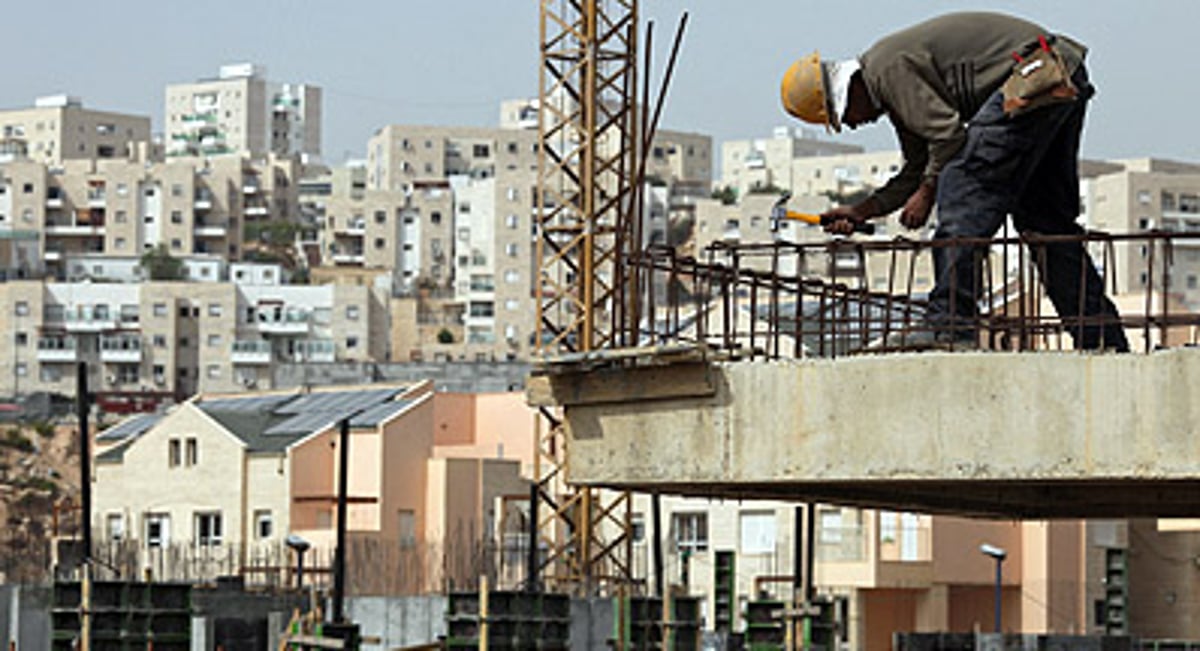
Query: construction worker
986, 129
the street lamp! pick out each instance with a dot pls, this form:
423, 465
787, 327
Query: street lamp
999, 555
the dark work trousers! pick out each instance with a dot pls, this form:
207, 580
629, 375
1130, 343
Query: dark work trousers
1027, 166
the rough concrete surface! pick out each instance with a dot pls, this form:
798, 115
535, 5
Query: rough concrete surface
1028, 435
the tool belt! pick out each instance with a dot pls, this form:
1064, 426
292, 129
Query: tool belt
1038, 79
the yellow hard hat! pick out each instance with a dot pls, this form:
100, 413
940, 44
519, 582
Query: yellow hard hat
805, 91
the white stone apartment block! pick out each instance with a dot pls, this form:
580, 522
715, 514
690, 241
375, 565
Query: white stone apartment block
58, 128
242, 112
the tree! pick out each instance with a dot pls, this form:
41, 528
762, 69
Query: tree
159, 264
444, 336
727, 195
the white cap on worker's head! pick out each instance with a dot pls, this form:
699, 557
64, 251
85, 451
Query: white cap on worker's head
838, 78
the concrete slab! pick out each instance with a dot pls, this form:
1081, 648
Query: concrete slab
1032, 435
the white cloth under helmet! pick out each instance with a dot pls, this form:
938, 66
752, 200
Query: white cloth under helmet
839, 74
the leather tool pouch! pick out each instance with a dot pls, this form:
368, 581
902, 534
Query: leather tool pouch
1037, 80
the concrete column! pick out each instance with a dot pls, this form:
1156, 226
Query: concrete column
202, 634
856, 628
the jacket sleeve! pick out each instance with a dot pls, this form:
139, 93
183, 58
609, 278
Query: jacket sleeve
900, 187
913, 92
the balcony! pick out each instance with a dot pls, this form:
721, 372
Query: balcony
283, 322
89, 319
121, 349
349, 258
316, 350
211, 230
52, 255
257, 211
250, 186
97, 199
251, 352
356, 227
57, 349
202, 202
54, 201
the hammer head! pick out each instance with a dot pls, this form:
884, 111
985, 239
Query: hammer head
779, 210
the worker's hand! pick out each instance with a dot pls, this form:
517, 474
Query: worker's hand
919, 205
842, 219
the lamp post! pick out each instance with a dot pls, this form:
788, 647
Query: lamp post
999, 555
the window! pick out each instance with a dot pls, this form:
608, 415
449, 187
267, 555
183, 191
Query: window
214, 309
829, 523
263, 525
1143, 197
757, 532
119, 243
22, 369
481, 151
352, 312
637, 528
208, 529
174, 454
511, 305
21, 308
22, 339
176, 217
511, 221
176, 244
193, 452
690, 532
351, 342
435, 217
464, 207
512, 194
158, 529
379, 243
114, 526
160, 309
511, 250
512, 276
176, 190
213, 371
481, 309
214, 341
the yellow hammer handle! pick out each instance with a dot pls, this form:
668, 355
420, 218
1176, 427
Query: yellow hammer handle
804, 217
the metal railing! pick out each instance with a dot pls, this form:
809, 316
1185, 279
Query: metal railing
828, 299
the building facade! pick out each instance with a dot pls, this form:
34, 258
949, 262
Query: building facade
171, 340
58, 128
242, 112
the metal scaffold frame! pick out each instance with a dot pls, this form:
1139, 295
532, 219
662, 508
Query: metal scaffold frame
587, 147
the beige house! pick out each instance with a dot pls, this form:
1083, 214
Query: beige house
234, 475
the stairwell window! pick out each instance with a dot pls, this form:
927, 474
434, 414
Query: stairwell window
174, 453
193, 452
690, 532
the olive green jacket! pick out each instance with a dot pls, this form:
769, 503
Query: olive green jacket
933, 77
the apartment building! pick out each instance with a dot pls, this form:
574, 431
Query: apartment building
173, 339
242, 112
58, 128
408, 235
1148, 194
768, 162
194, 208
489, 174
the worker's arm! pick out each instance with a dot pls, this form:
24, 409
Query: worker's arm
900, 187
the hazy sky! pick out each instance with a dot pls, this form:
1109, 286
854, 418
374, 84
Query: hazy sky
451, 62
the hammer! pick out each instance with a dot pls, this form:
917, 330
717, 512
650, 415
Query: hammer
779, 212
